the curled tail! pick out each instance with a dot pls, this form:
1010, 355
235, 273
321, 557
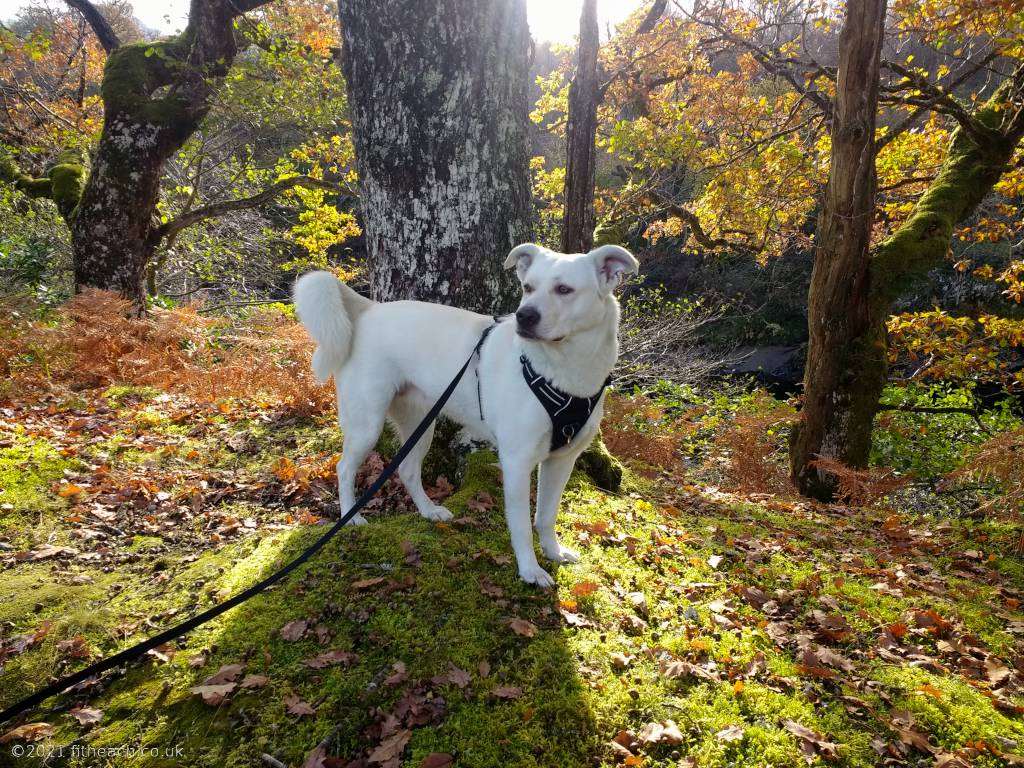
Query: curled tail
328, 308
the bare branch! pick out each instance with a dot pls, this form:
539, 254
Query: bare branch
171, 228
652, 17
100, 26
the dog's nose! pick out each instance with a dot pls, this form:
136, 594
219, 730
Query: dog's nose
527, 317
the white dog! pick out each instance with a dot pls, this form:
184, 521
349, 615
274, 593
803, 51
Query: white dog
541, 376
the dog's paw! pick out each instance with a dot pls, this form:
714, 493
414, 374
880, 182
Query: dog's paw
437, 514
534, 574
560, 554
357, 520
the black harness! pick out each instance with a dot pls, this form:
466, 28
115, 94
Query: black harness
568, 413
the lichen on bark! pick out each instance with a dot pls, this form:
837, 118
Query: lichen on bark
438, 99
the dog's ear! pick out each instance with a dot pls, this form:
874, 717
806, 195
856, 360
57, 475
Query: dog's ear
521, 257
612, 262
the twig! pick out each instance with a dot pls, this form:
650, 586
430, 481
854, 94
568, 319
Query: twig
272, 761
230, 304
972, 412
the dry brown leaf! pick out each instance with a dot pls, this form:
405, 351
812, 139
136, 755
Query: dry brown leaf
296, 706
732, 733
522, 627
28, 732
213, 695
399, 674
330, 658
437, 760
507, 692
391, 748
294, 630
228, 673
86, 716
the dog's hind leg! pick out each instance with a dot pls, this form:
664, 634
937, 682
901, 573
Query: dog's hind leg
361, 416
551, 479
406, 412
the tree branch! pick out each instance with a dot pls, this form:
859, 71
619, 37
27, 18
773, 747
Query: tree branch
699, 233
171, 228
652, 17
100, 26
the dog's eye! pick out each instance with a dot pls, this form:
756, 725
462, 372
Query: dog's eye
563, 290
527, 288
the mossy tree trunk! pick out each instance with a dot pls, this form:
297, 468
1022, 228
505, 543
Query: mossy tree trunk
848, 354
155, 95
835, 401
438, 98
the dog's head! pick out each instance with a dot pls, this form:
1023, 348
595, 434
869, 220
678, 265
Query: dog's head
563, 293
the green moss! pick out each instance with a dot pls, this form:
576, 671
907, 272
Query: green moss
435, 614
120, 395
601, 466
973, 164
27, 506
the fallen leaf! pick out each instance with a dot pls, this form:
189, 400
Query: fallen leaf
584, 588
670, 733
437, 760
650, 733
732, 733
574, 619
213, 694
28, 732
459, 677
367, 583
163, 652
810, 742
330, 658
620, 660
398, 675
391, 748
254, 681
507, 692
226, 674
296, 706
294, 630
522, 627
86, 716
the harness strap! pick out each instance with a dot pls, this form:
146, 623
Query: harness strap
568, 413
476, 351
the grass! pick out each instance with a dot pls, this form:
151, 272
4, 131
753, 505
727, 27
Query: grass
661, 580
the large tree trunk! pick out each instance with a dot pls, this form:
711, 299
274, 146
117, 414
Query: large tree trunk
844, 377
438, 102
155, 95
845, 381
580, 134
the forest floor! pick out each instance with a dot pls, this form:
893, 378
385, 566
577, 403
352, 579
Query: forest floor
699, 628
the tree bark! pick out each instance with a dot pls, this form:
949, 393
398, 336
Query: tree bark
580, 133
850, 301
155, 95
845, 373
438, 102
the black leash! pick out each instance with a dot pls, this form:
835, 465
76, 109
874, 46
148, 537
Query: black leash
130, 654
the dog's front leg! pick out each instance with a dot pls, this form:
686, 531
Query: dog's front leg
516, 472
551, 480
